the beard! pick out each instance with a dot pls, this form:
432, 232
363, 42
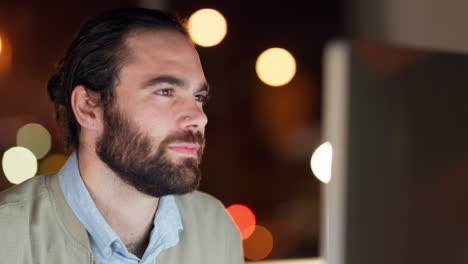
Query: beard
131, 155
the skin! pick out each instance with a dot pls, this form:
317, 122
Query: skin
158, 108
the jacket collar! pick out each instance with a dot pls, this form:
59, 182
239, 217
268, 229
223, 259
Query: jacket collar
66, 217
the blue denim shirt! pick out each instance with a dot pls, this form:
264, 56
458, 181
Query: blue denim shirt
105, 243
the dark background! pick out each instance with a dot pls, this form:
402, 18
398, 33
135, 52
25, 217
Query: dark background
259, 138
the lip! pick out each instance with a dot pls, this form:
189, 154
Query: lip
185, 149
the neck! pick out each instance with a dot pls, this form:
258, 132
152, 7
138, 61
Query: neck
129, 212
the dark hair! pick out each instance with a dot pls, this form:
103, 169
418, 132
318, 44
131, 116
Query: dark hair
95, 57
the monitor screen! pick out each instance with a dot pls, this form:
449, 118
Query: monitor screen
397, 119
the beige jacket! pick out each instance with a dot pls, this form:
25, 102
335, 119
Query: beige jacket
38, 226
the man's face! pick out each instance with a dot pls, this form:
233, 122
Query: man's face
153, 135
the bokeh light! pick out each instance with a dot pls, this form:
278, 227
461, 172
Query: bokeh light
36, 138
52, 163
259, 245
321, 162
207, 27
275, 66
19, 164
320, 261
244, 219
5, 55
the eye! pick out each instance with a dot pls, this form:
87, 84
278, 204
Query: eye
165, 92
202, 98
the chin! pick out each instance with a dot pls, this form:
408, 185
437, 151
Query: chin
179, 159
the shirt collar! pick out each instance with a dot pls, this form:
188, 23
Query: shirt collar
167, 220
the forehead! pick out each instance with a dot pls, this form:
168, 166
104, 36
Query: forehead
162, 52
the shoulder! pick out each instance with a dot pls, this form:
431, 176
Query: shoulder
209, 234
30, 226
198, 199
19, 203
197, 202
203, 208
21, 207
31, 191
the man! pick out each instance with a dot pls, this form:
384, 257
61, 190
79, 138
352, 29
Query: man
131, 91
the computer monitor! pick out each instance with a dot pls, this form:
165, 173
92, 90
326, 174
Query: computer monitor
397, 119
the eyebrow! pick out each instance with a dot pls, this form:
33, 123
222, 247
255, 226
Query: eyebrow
175, 81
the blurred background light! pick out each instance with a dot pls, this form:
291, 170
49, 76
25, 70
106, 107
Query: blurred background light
207, 27
52, 163
244, 219
5, 55
36, 138
321, 162
19, 164
259, 245
275, 66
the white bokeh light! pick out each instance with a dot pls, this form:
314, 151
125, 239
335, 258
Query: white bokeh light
321, 162
19, 164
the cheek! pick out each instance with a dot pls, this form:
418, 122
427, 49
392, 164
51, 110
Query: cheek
153, 118
155, 125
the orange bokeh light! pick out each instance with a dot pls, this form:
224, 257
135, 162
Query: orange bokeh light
5, 56
244, 219
259, 245
52, 163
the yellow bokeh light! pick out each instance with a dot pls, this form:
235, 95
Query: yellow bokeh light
19, 164
36, 138
52, 163
207, 27
275, 66
321, 162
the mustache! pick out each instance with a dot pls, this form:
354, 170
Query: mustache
186, 137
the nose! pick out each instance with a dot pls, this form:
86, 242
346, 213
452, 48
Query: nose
193, 119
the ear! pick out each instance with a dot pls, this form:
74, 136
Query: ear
84, 105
